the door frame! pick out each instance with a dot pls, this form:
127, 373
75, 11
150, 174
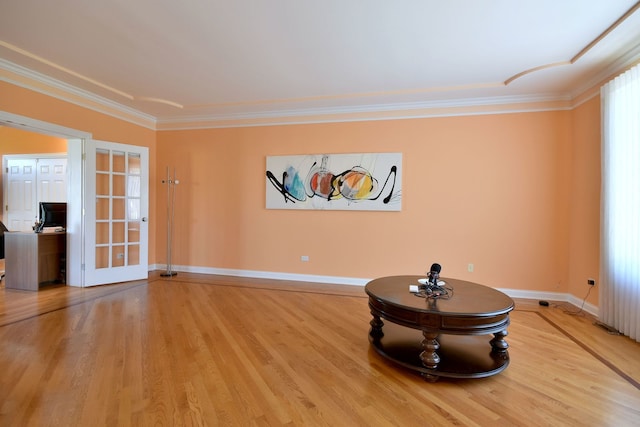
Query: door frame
75, 186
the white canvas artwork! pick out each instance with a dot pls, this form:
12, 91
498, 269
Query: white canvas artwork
369, 182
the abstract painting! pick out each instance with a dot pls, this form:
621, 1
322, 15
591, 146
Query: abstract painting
369, 181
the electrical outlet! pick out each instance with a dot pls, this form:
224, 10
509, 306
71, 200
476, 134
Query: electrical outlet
591, 282
304, 258
470, 268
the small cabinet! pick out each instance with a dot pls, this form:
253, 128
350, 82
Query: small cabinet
33, 260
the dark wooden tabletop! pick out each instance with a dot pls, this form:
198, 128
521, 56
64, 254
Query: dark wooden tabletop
467, 298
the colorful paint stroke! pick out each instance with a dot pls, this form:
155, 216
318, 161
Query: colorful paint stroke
371, 181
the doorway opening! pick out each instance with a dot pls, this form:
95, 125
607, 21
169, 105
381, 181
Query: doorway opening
74, 187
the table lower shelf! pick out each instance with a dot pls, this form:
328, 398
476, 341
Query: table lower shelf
461, 356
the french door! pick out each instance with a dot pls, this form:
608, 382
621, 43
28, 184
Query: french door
116, 208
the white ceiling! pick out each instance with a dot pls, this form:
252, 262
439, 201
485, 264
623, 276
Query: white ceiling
180, 62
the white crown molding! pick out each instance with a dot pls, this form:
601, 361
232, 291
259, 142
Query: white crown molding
414, 110
626, 61
37, 82
591, 88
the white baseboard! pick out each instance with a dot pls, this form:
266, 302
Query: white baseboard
336, 280
552, 296
265, 275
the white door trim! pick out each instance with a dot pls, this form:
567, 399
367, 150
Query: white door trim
33, 125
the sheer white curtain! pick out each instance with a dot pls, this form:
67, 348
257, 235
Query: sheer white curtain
620, 216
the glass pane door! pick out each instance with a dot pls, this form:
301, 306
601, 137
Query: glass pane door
119, 244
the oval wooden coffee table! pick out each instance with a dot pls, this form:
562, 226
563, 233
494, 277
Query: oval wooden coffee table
440, 337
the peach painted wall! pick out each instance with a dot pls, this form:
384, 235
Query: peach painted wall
515, 194
584, 223
18, 141
490, 190
17, 100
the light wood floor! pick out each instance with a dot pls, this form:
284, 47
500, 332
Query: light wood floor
223, 351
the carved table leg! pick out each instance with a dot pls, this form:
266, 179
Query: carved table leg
498, 344
429, 355
376, 327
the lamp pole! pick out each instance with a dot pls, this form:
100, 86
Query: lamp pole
171, 199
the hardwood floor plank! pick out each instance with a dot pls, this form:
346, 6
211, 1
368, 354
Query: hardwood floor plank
209, 350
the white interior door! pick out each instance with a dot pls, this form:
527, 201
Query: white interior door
52, 180
116, 209
20, 208
31, 179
